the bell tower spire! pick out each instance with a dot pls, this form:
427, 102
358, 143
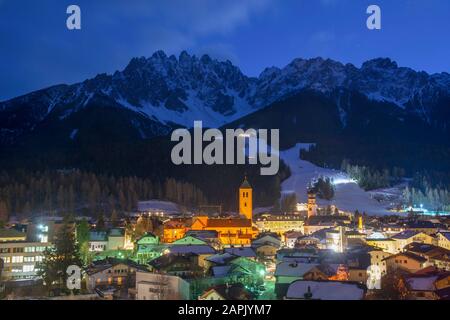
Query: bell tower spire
246, 199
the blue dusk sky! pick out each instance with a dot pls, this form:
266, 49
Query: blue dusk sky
37, 50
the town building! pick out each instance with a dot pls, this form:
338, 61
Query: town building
98, 241
267, 238
325, 290
227, 292
291, 237
436, 256
11, 235
20, 259
320, 222
158, 208
279, 223
405, 261
424, 286
232, 230
406, 237
336, 239
175, 229
423, 226
378, 258
158, 286
116, 239
307, 241
148, 248
443, 239
112, 272
312, 205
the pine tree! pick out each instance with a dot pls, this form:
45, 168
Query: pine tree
83, 240
58, 258
114, 218
100, 222
3, 212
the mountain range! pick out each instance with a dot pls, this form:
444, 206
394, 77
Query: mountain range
379, 115
154, 95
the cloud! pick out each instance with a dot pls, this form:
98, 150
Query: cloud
113, 31
196, 17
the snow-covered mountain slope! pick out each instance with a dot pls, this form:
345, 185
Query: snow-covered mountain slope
178, 90
348, 195
379, 79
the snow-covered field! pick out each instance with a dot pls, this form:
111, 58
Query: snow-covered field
348, 196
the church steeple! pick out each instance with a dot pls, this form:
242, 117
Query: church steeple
246, 199
245, 184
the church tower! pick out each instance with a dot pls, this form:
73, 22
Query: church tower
312, 206
246, 199
360, 224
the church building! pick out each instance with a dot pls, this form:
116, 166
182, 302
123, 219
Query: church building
232, 230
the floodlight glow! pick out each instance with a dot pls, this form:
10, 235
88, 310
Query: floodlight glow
343, 181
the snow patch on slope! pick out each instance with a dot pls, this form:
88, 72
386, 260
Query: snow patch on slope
348, 196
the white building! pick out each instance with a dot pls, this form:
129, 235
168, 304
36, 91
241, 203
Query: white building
155, 286
291, 237
112, 272
98, 241
336, 240
20, 259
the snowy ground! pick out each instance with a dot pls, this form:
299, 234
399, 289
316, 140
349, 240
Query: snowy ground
348, 196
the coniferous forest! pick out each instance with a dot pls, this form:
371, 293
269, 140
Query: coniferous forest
75, 191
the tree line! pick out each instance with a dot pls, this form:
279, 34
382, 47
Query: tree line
323, 187
432, 196
369, 178
23, 193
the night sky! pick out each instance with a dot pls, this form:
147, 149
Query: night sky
37, 50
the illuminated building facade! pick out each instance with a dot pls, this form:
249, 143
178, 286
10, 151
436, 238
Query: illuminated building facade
9, 235
20, 259
232, 230
279, 224
312, 205
336, 240
246, 200
174, 230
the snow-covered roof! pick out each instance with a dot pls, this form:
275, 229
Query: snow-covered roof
221, 258
196, 249
405, 235
157, 206
325, 290
98, 236
293, 234
220, 271
445, 234
422, 283
247, 252
293, 269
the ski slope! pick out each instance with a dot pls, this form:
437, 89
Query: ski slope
348, 195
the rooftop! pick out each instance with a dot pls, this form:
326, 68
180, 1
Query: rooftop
325, 290
195, 249
293, 269
229, 223
407, 254
11, 233
405, 235
247, 252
